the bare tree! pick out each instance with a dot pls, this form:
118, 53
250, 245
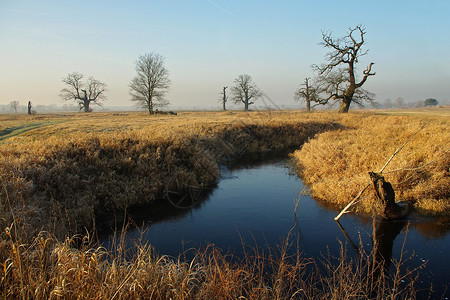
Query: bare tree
151, 83
84, 93
309, 93
14, 105
400, 102
346, 52
387, 103
419, 104
245, 90
223, 97
375, 104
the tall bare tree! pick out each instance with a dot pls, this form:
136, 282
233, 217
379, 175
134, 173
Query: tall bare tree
84, 93
151, 83
309, 93
245, 90
14, 105
340, 71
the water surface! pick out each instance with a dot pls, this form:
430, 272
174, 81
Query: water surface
253, 204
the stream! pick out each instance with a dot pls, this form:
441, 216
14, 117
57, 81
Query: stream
253, 204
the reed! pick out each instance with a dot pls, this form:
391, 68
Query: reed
77, 269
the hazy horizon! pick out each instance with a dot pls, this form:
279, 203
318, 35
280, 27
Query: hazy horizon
207, 44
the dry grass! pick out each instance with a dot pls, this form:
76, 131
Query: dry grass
61, 172
75, 269
335, 164
443, 111
73, 169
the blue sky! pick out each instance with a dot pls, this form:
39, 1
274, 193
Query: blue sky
208, 43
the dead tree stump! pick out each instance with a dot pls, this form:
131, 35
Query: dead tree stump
388, 208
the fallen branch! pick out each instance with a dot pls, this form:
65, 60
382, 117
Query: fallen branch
351, 203
381, 170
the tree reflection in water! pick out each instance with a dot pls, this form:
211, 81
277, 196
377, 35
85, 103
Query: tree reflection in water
383, 236
384, 233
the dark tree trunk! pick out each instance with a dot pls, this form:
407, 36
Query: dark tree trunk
224, 97
150, 107
86, 105
345, 105
308, 105
388, 208
246, 105
348, 98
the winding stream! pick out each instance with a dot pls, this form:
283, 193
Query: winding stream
253, 204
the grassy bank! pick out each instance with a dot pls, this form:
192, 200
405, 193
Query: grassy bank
336, 164
74, 169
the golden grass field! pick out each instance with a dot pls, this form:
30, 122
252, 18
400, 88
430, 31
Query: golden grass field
62, 173
72, 169
69, 169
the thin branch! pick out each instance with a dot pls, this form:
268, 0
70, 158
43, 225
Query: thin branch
420, 167
344, 211
399, 149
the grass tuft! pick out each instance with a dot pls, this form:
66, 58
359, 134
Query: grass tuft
77, 269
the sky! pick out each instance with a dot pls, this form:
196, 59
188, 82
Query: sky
208, 43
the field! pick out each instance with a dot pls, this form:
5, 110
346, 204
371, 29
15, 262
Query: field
63, 174
76, 168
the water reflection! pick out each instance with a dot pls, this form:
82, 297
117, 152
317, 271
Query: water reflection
384, 234
161, 211
432, 227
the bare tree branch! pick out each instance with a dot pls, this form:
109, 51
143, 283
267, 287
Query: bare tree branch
310, 92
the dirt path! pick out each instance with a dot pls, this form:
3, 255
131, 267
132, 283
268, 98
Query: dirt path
14, 131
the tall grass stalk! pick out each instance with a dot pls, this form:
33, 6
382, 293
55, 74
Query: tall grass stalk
76, 268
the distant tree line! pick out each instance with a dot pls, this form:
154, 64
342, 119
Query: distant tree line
401, 103
22, 108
